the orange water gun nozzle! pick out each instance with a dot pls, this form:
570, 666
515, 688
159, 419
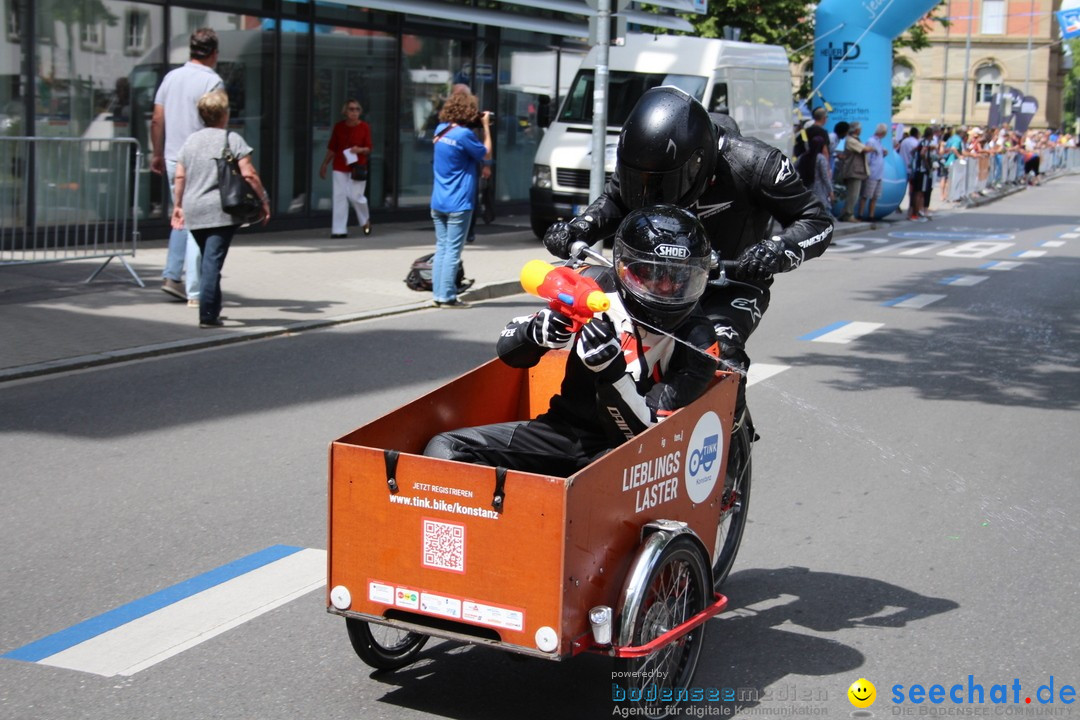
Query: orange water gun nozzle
568, 292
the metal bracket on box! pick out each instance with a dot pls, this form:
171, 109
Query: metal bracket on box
391, 458
500, 491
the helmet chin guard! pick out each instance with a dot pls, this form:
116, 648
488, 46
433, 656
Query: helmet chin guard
662, 260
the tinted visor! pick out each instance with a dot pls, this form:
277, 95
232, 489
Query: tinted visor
662, 282
641, 188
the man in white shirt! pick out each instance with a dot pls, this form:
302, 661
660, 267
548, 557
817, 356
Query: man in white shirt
176, 116
875, 163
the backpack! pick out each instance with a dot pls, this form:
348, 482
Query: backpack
419, 276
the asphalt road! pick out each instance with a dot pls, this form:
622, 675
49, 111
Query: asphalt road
913, 516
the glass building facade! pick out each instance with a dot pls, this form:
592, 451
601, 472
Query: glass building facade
90, 68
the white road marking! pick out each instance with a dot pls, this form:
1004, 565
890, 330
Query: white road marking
964, 280
842, 332
1002, 265
914, 301
763, 371
147, 640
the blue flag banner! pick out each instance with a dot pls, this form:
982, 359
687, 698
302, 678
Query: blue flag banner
1069, 20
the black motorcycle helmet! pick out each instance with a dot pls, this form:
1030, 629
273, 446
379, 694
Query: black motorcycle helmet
667, 150
661, 259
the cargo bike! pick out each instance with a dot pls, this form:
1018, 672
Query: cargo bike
622, 558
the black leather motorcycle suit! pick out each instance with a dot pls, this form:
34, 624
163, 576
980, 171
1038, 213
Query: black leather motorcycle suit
752, 184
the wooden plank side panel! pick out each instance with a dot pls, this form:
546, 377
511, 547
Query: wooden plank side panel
545, 380
648, 478
488, 394
441, 549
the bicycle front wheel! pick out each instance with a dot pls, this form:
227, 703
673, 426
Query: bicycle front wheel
676, 590
383, 647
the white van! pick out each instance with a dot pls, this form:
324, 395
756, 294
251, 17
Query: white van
752, 83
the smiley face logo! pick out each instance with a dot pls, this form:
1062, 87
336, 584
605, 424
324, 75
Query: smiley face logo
862, 693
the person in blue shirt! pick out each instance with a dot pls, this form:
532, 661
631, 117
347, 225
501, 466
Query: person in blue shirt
458, 155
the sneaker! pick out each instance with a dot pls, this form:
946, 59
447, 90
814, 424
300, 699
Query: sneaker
338, 236
216, 323
367, 229
193, 302
452, 305
174, 288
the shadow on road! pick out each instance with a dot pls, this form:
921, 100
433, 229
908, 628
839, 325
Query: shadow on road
365, 362
748, 649
1010, 340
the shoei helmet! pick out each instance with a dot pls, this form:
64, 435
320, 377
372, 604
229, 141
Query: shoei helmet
661, 258
666, 151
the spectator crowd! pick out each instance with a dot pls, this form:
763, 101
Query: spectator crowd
844, 168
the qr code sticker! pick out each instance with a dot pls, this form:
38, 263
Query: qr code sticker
444, 546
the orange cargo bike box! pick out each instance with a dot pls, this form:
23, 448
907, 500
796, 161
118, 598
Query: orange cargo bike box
511, 559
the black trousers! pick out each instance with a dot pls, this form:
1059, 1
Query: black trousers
544, 445
735, 310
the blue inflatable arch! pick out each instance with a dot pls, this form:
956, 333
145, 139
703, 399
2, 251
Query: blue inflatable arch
853, 66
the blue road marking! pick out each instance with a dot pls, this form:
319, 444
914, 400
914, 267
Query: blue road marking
827, 329
897, 301
64, 639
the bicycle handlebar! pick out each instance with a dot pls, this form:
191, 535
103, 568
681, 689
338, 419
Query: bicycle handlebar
580, 250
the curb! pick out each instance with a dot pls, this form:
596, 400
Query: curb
81, 362
490, 291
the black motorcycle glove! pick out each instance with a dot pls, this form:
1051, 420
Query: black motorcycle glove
551, 329
762, 260
599, 349
562, 235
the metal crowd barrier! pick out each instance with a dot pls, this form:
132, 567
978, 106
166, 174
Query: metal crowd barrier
972, 175
69, 199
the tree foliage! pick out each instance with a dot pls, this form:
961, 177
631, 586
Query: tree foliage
775, 22
790, 23
917, 37
1072, 86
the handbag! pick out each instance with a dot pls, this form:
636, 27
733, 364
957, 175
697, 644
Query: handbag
238, 198
358, 172
419, 275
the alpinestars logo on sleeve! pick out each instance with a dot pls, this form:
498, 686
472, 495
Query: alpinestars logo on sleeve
784, 172
725, 332
747, 305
